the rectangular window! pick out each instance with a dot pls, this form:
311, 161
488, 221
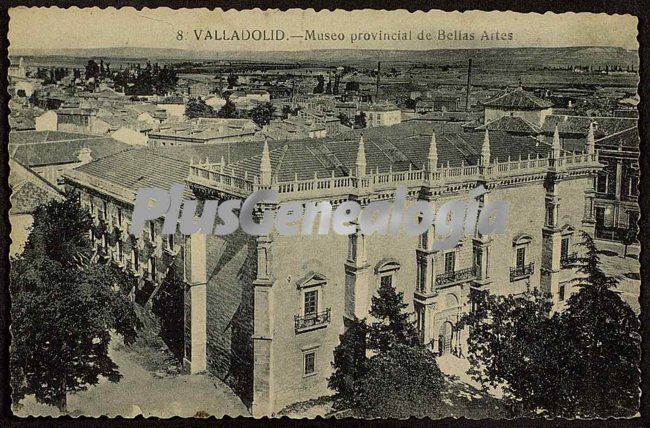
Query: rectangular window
601, 183
521, 257
549, 216
422, 275
311, 303
450, 262
561, 297
387, 280
423, 239
564, 249
309, 363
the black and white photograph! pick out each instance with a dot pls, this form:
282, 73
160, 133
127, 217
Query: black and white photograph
363, 214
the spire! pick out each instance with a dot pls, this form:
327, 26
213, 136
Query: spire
432, 161
485, 150
557, 148
265, 165
591, 140
361, 158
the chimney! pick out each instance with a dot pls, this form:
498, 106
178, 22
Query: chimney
84, 155
468, 89
378, 79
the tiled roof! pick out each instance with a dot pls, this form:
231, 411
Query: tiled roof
518, 99
385, 148
28, 189
580, 124
514, 124
627, 139
39, 148
138, 168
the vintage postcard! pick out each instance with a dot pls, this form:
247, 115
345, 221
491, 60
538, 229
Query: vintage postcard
367, 214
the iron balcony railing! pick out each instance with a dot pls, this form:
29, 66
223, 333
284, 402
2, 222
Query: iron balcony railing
522, 271
455, 276
568, 260
310, 321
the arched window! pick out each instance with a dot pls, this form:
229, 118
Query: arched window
385, 270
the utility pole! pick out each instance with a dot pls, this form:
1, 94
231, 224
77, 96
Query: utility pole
469, 84
378, 80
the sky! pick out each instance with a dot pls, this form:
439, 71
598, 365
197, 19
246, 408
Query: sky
58, 28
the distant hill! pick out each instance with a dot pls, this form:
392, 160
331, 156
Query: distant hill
558, 56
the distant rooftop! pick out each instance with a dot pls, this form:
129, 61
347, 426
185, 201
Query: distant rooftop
518, 99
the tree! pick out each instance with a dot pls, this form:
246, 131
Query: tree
360, 120
349, 360
392, 325
232, 80
320, 85
605, 335
196, 107
168, 304
63, 309
228, 110
581, 362
92, 70
513, 342
410, 103
402, 382
262, 113
345, 120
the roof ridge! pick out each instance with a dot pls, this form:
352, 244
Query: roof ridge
617, 133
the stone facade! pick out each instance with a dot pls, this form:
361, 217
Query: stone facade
265, 313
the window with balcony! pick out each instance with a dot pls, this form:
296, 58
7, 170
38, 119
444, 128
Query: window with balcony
521, 257
567, 258
312, 314
522, 269
310, 303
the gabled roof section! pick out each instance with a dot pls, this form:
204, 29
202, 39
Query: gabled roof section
514, 124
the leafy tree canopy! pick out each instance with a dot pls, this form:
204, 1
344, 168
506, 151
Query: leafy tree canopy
63, 309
